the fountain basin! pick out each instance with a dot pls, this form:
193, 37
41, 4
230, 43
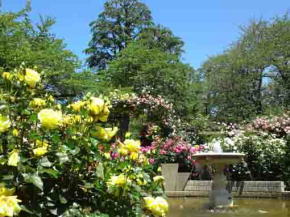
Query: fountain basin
212, 158
194, 207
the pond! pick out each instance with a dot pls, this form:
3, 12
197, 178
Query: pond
194, 207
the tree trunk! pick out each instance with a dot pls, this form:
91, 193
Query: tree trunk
124, 126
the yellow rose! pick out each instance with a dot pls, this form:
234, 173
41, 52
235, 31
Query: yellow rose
129, 146
41, 148
118, 181
105, 134
7, 75
96, 105
14, 158
37, 102
89, 120
9, 206
140, 182
58, 106
143, 159
31, 77
5, 191
67, 120
148, 201
20, 76
41, 143
4, 123
158, 179
8, 203
134, 156
104, 115
15, 132
49, 118
122, 150
76, 106
132, 145
50, 98
158, 206
128, 135
38, 152
77, 118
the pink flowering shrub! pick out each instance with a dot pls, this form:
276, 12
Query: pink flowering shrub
155, 107
136, 113
172, 150
278, 125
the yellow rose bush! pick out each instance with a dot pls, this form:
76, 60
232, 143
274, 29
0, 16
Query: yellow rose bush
66, 159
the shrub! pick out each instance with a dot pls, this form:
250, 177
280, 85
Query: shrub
172, 150
265, 155
57, 160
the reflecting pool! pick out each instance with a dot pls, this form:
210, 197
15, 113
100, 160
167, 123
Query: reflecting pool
195, 207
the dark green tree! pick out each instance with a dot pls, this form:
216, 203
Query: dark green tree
119, 23
162, 38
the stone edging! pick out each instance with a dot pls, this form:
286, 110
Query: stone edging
248, 189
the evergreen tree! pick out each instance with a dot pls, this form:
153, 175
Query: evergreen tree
119, 23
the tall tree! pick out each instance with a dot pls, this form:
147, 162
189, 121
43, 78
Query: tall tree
162, 38
153, 71
253, 74
278, 34
119, 23
228, 95
35, 46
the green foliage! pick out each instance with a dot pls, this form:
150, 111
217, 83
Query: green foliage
265, 156
161, 38
152, 71
34, 45
119, 23
252, 76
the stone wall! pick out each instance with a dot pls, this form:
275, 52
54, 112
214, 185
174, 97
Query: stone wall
255, 189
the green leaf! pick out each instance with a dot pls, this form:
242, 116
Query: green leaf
45, 162
34, 179
63, 157
100, 171
2, 160
51, 172
75, 151
24, 208
62, 199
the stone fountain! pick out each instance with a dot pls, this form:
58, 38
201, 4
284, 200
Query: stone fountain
219, 197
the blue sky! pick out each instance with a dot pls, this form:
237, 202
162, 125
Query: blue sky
206, 26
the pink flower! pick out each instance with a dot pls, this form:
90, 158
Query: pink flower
151, 161
192, 150
114, 155
163, 152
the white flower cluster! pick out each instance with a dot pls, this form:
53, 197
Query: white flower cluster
263, 143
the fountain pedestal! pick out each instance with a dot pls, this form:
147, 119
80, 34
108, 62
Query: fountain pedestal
220, 196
